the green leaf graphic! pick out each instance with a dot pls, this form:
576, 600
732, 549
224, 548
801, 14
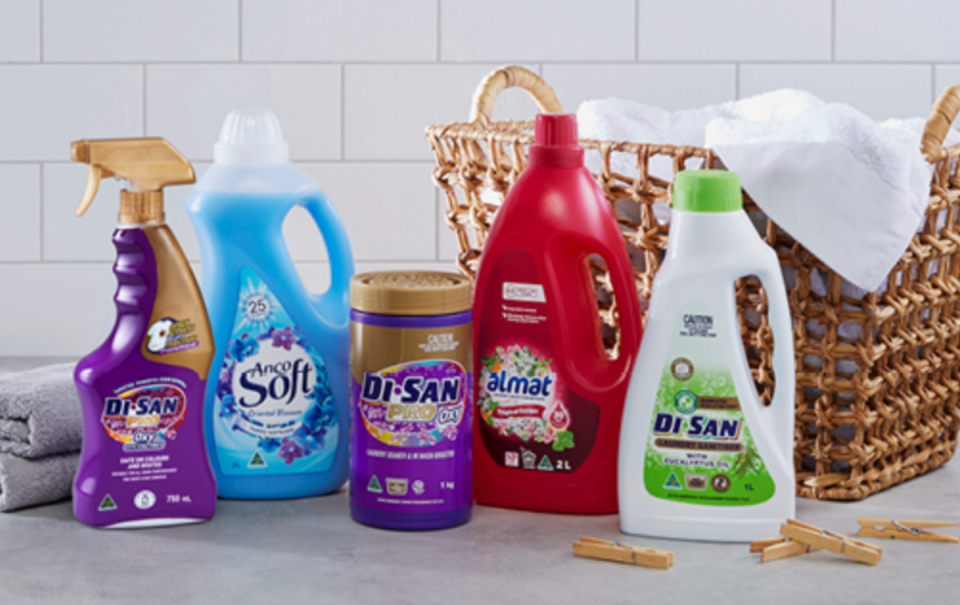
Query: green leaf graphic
563, 441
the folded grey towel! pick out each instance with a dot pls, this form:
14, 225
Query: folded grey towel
40, 412
28, 482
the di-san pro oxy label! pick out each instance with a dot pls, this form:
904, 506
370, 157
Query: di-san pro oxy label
411, 400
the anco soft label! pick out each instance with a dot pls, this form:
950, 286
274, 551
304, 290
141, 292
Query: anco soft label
275, 410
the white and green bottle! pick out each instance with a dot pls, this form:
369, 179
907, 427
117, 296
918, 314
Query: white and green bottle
701, 458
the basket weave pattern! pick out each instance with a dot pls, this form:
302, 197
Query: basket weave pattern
878, 377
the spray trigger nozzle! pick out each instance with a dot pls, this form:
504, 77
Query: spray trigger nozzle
149, 164
94, 174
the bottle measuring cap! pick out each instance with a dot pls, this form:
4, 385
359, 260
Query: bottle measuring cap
251, 136
707, 191
555, 141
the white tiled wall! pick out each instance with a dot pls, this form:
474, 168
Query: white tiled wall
187, 103
355, 82
741, 30
111, 31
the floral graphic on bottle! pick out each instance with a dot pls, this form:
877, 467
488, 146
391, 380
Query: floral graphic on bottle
518, 397
275, 409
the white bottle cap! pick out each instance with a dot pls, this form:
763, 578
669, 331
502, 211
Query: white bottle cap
251, 136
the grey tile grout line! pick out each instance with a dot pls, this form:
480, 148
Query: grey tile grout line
40, 32
736, 78
636, 31
143, 93
416, 162
439, 33
40, 23
833, 31
239, 31
41, 206
51, 263
110, 263
487, 62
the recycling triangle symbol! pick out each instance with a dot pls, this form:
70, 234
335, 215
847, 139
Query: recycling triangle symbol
256, 461
545, 464
374, 485
673, 482
107, 504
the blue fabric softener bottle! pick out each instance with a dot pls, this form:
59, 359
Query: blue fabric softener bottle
277, 408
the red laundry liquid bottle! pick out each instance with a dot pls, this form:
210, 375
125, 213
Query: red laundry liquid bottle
549, 399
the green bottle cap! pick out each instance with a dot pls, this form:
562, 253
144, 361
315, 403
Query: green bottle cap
707, 191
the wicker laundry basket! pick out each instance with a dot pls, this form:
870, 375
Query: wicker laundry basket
878, 377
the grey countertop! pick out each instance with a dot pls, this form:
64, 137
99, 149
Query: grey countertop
310, 551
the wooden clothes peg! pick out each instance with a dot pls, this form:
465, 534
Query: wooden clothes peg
828, 540
622, 553
905, 529
774, 549
761, 545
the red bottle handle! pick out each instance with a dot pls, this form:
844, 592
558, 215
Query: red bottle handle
570, 293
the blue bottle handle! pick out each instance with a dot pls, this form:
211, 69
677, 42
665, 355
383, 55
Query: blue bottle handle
335, 299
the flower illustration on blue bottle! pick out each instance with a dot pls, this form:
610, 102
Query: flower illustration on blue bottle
244, 347
228, 406
289, 450
310, 436
283, 338
226, 378
269, 445
309, 441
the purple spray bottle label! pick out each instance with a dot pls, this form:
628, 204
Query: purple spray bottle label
144, 462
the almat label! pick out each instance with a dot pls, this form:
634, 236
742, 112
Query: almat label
700, 449
530, 419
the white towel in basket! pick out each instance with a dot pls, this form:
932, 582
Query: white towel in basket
851, 190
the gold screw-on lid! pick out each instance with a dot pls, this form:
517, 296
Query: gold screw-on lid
411, 293
141, 207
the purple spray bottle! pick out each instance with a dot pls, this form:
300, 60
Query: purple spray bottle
144, 462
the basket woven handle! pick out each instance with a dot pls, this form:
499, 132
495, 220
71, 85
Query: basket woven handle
511, 76
938, 124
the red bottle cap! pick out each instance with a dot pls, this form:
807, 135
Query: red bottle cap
556, 130
555, 141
